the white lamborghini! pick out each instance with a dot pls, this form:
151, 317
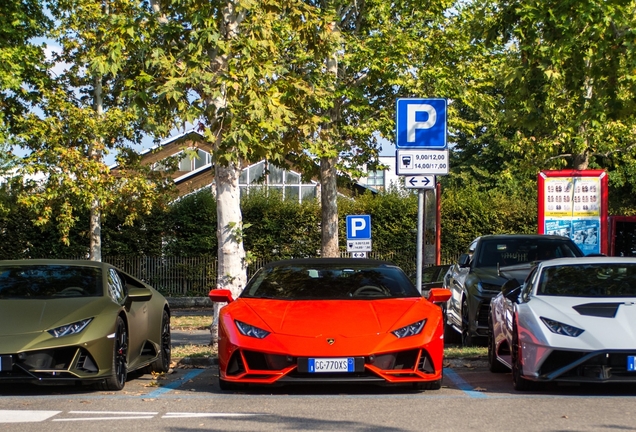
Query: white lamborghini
572, 320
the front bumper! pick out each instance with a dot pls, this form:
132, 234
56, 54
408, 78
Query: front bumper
403, 367
587, 367
54, 365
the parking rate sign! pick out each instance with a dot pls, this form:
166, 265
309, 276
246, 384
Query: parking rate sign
421, 123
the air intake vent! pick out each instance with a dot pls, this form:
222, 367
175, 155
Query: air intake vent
601, 310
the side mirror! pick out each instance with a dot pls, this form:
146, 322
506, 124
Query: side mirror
137, 294
439, 295
464, 260
221, 295
510, 290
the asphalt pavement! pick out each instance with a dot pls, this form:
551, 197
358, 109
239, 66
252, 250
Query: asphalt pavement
191, 337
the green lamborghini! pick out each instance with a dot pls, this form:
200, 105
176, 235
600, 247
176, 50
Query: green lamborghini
69, 322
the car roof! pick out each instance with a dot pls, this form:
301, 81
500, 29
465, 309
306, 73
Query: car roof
588, 260
85, 263
524, 236
331, 261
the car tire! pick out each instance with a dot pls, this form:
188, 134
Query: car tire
494, 365
119, 369
162, 364
431, 385
451, 336
518, 381
466, 337
230, 386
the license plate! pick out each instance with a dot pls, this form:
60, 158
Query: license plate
341, 364
6, 364
631, 363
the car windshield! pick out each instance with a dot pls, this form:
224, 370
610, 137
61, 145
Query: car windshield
513, 251
589, 280
330, 282
49, 281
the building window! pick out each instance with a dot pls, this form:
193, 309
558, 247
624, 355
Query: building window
273, 178
191, 162
375, 179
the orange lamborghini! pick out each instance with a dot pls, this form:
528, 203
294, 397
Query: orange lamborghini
330, 320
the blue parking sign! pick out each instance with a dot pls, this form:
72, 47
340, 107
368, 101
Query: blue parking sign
421, 124
358, 227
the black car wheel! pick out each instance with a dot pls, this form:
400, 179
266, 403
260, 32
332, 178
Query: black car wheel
119, 370
431, 385
230, 386
467, 338
162, 364
494, 365
450, 335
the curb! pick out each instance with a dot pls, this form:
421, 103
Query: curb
199, 361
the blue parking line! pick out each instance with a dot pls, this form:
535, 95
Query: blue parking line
462, 385
175, 384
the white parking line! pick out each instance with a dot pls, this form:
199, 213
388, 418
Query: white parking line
198, 415
101, 418
25, 416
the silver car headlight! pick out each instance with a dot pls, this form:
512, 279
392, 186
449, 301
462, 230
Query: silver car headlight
250, 330
562, 329
70, 329
409, 330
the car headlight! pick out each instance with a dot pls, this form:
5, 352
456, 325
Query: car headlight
409, 330
560, 328
250, 330
483, 286
70, 329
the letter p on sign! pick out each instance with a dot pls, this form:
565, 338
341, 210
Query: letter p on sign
411, 119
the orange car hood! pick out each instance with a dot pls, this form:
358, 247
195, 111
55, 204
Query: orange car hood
350, 318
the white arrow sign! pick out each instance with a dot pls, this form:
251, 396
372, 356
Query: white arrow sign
358, 254
419, 182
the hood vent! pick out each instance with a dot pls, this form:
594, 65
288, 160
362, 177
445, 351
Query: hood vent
601, 310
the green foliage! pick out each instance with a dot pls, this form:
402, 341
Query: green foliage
144, 236
22, 239
393, 218
191, 225
565, 81
280, 229
468, 212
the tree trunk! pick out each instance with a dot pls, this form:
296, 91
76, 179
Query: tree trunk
329, 207
231, 268
329, 176
580, 161
95, 222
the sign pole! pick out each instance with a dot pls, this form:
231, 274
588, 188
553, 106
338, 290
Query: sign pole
420, 238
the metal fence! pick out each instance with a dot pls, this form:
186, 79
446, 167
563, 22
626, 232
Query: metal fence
195, 276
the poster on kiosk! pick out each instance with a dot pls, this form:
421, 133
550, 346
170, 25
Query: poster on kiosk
574, 204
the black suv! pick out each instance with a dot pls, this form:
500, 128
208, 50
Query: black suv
480, 272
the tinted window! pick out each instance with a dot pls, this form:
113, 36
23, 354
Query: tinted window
591, 280
49, 281
116, 288
328, 282
512, 251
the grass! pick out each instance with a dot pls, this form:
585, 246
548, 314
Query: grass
457, 352
190, 322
